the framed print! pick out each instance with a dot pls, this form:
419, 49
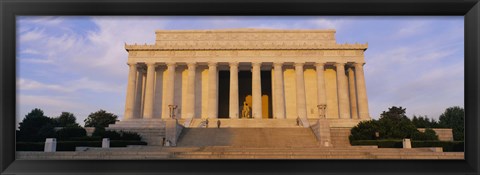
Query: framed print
239, 87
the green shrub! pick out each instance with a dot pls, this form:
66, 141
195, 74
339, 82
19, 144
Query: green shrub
84, 138
393, 124
70, 145
114, 135
365, 130
429, 134
379, 143
69, 132
30, 146
448, 146
124, 143
130, 136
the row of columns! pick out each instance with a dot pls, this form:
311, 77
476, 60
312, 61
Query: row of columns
348, 91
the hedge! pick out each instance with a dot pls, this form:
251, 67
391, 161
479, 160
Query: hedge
448, 146
70, 145
379, 143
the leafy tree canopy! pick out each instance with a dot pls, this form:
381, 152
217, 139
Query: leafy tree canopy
393, 124
425, 122
35, 126
454, 117
100, 119
66, 119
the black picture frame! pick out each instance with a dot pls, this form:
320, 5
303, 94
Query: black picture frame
9, 9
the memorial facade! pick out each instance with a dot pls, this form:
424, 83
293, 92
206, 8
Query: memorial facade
246, 73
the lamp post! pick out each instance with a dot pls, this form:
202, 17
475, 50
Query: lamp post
172, 110
321, 110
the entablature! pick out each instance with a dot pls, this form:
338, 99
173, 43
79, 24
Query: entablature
244, 45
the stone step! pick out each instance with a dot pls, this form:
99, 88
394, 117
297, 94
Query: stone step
248, 137
247, 123
157, 152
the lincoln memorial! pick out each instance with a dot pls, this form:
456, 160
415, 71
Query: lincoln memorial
245, 78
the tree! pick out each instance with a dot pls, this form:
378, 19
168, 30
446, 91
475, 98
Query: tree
365, 130
65, 119
70, 131
394, 124
429, 134
100, 119
454, 117
35, 127
424, 122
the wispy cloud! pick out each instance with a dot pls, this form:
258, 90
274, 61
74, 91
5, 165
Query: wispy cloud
69, 86
25, 84
32, 35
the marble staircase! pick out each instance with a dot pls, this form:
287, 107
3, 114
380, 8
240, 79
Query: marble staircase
248, 137
246, 123
151, 130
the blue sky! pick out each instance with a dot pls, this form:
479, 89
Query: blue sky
78, 64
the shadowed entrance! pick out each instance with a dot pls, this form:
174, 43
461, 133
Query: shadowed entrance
244, 92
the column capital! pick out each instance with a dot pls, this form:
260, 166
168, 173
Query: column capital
210, 64
256, 64
339, 64
131, 63
358, 64
320, 64
191, 64
299, 63
149, 64
233, 64
278, 63
171, 64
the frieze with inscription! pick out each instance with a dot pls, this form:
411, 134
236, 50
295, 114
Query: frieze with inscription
246, 53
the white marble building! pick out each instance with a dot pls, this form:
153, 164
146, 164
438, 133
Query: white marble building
304, 68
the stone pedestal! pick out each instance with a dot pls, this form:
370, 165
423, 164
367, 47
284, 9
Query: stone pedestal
172, 131
50, 145
106, 143
407, 143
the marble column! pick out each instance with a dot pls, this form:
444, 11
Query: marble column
212, 90
256, 90
130, 99
361, 92
170, 88
191, 90
233, 100
342, 92
321, 93
301, 99
138, 112
149, 87
279, 93
352, 92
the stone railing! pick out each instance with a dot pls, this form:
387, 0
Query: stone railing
316, 130
188, 122
304, 122
321, 130
172, 132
